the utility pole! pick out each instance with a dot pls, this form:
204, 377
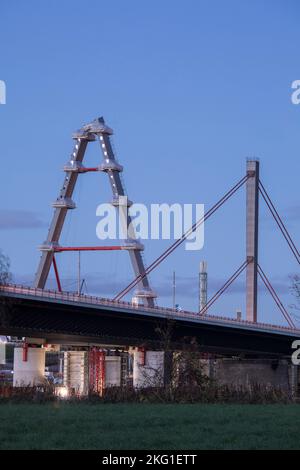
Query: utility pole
202, 286
252, 209
79, 274
174, 290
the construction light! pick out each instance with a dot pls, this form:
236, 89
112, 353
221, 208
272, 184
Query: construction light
62, 392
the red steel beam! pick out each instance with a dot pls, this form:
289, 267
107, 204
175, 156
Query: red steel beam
59, 249
25, 352
56, 274
85, 170
102, 371
143, 356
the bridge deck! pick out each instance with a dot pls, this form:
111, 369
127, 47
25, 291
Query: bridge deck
100, 303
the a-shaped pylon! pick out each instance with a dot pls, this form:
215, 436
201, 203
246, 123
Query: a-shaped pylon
97, 129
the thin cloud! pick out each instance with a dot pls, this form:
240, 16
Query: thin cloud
186, 287
94, 283
290, 215
293, 213
19, 220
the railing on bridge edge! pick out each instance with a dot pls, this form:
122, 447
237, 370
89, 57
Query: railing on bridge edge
168, 312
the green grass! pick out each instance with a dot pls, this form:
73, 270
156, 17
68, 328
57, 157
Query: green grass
134, 426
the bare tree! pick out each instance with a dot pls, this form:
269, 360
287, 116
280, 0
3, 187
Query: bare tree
5, 278
295, 290
5, 274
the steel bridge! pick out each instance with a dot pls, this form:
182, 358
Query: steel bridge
79, 319
62, 316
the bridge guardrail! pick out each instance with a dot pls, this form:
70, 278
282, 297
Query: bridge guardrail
168, 312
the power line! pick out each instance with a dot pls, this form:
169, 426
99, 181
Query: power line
273, 293
224, 287
178, 242
279, 222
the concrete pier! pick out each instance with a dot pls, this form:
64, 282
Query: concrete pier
29, 366
148, 369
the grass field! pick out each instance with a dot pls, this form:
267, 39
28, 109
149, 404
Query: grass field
86, 426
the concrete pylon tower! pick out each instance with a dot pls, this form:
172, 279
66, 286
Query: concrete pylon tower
252, 209
202, 286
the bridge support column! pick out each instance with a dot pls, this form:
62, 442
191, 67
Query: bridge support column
76, 372
29, 366
252, 198
148, 369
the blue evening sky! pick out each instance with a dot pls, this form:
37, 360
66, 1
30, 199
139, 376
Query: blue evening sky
191, 90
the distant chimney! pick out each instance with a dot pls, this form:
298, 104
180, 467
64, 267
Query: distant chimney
239, 314
203, 286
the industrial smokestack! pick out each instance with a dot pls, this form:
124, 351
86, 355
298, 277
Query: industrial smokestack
239, 314
203, 287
